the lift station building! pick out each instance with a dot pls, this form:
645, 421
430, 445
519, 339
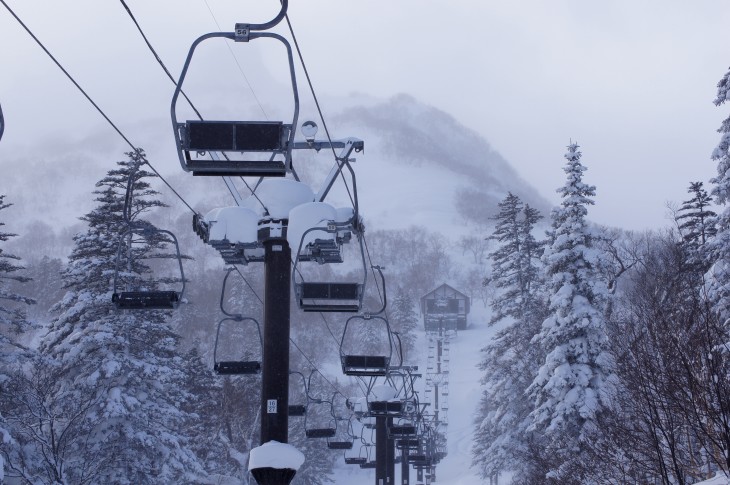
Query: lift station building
445, 308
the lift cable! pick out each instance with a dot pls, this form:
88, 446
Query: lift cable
324, 124
235, 59
162, 64
119, 132
157, 57
316, 102
291, 339
174, 82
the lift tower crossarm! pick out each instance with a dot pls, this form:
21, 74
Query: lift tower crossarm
348, 146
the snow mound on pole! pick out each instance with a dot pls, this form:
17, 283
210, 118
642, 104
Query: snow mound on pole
273, 454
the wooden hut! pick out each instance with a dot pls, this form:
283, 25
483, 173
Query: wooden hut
445, 308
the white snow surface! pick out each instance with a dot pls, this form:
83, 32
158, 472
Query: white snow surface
307, 216
273, 454
718, 479
236, 224
280, 195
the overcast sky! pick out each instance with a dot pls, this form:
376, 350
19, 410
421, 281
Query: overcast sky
631, 81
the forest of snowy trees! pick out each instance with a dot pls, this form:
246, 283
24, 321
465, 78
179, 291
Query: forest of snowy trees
612, 360
610, 363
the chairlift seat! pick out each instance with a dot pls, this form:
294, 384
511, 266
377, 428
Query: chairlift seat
339, 445
297, 410
321, 432
402, 430
237, 367
365, 365
234, 136
385, 408
407, 444
369, 464
329, 297
146, 300
355, 461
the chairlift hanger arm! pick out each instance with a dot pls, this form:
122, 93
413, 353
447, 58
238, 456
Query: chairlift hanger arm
180, 138
348, 146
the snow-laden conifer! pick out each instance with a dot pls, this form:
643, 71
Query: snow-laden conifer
572, 387
511, 360
12, 304
718, 249
128, 363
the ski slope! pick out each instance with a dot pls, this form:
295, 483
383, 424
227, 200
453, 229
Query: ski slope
464, 394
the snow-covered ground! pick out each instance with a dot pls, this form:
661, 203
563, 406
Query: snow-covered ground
464, 393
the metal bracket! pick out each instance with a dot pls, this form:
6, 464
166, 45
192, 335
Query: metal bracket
242, 32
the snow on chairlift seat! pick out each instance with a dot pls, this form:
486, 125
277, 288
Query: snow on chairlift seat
322, 246
233, 232
280, 196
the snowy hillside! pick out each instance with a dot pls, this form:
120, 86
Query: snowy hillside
420, 167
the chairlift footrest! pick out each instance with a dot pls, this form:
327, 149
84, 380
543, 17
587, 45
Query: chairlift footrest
321, 432
296, 410
355, 461
146, 300
237, 367
340, 445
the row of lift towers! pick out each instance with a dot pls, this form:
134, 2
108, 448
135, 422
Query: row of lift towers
284, 213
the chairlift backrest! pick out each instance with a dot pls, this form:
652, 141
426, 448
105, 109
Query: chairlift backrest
143, 298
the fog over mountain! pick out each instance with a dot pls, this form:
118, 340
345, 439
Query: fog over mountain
420, 167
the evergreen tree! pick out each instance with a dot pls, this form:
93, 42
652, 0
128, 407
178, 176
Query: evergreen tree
511, 360
717, 252
404, 320
694, 216
13, 321
12, 304
571, 389
515, 266
128, 361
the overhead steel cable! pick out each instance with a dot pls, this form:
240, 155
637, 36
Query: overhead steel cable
86, 95
324, 124
235, 59
174, 82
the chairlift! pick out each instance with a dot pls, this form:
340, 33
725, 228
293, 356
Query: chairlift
143, 298
238, 366
327, 296
298, 410
360, 459
272, 141
342, 444
328, 431
359, 364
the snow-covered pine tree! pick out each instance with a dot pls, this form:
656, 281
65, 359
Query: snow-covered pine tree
404, 320
511, 360
12, 305
718, 249
13, 321
128, 361
515, 263
572, 387
694, 217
